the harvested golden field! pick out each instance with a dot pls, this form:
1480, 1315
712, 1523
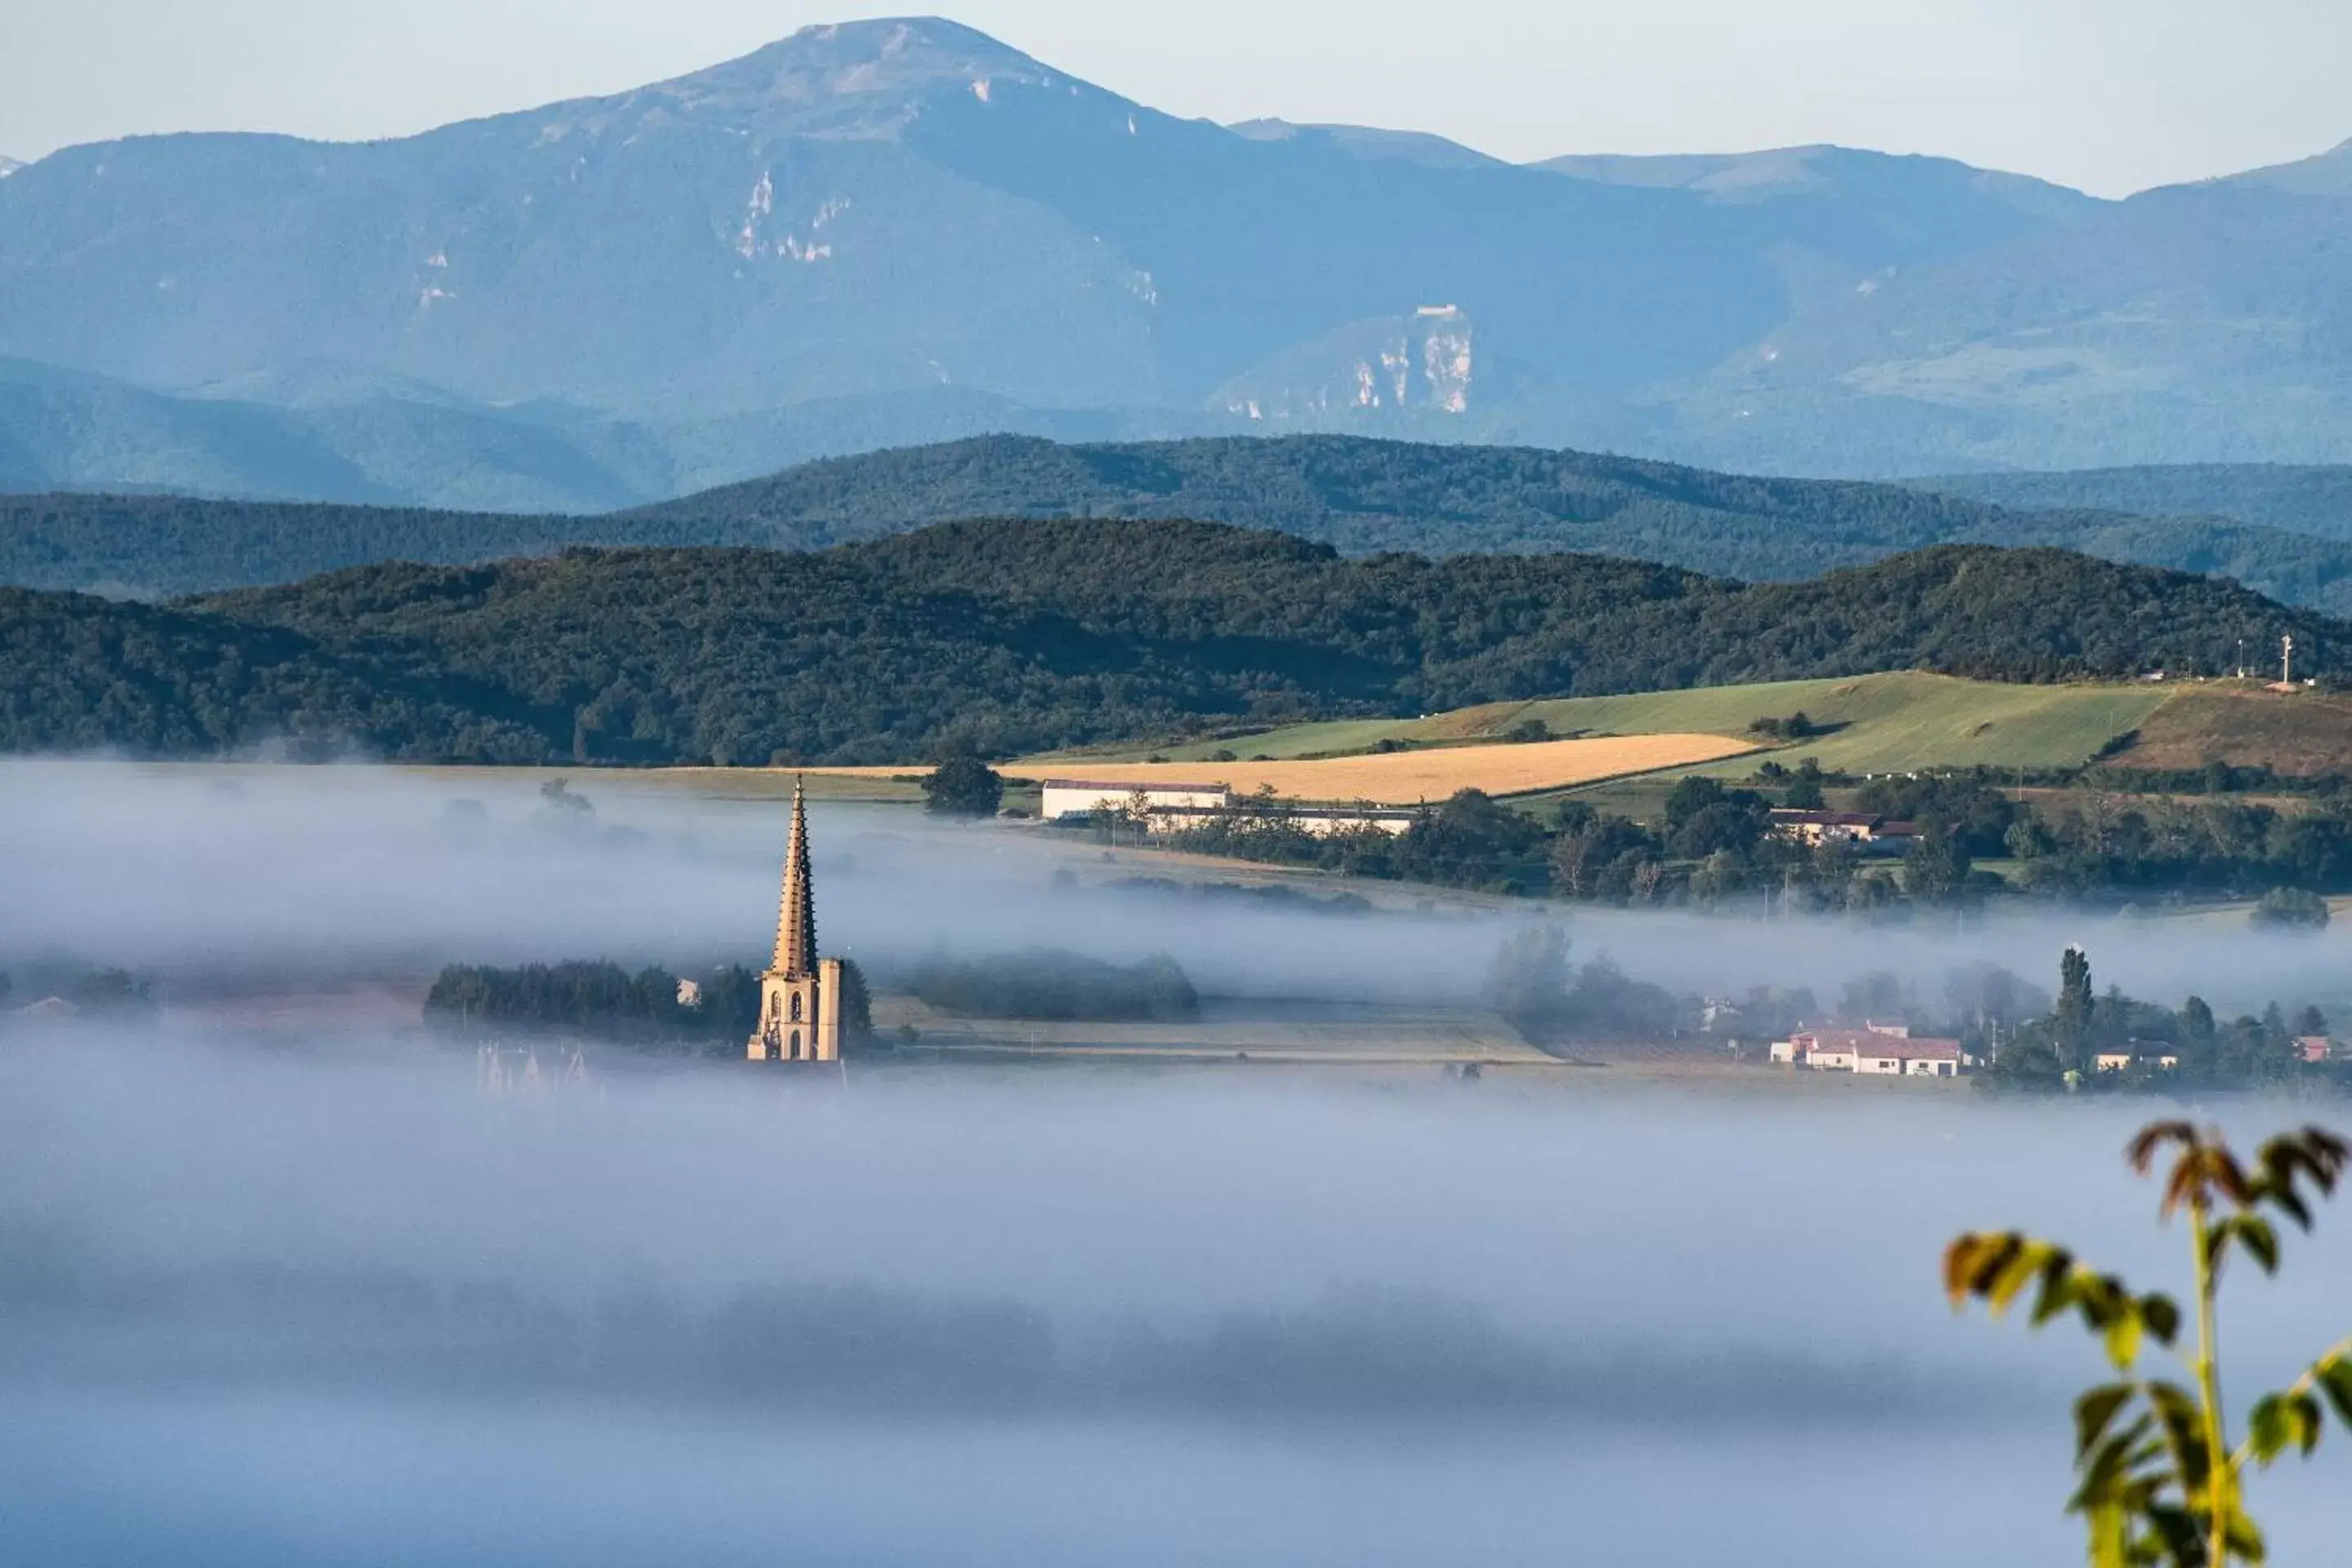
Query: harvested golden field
1408, 778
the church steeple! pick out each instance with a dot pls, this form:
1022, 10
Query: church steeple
795, 955
800, 996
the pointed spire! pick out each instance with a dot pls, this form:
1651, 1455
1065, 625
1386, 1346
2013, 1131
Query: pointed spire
795, 957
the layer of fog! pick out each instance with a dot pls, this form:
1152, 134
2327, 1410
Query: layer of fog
322, 1307
245, 877
328, 1304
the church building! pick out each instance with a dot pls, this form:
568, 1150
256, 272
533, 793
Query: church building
800, 994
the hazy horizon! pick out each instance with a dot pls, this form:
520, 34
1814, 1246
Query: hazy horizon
2105, 98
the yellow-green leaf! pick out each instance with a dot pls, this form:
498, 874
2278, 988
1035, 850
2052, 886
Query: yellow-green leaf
2335, 1379
2095, 1412
2268, 1428
2261, 1242
2122, 1340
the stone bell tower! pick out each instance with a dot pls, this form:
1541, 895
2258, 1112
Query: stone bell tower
800, 994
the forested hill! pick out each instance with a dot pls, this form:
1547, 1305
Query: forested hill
2315, 500
1359, 495
1016, 636
1370, 495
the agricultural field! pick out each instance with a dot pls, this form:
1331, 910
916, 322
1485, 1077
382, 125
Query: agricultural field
1408, 778
1874, 723
1911, 723
1623, 752
2302, 734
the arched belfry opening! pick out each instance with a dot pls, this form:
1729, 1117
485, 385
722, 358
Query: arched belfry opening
800, 993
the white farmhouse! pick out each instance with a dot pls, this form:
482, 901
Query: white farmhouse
1883, 1050
1083, 797
1172, 807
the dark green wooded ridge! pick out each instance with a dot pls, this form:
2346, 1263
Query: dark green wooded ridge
1363, 496
1012, 637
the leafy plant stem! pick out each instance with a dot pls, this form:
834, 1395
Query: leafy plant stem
2296, 1390
2222, 1465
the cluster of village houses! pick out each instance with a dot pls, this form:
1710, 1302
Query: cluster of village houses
1891, 1050
1885, 1048
1167, 807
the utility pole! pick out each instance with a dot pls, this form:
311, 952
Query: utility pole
2286, 659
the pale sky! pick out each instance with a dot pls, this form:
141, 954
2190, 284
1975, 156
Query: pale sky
2111, 95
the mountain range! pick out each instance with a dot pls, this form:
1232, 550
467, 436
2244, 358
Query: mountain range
888, 232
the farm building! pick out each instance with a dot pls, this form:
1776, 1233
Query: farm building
2118, 1061
1875, 834
1321, 820
1084, 797
1173, 807
1881, 1049
1797, 1048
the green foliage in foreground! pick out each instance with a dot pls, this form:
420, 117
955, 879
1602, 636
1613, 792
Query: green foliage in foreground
2160, 1481
1013, 638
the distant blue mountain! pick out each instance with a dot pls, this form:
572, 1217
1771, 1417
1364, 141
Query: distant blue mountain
326, 433
898, 231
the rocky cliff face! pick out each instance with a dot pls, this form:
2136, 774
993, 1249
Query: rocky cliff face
1418, 363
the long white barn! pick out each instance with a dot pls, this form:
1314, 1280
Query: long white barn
1172, 807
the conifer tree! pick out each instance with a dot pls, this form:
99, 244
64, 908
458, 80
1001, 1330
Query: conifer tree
2072, 1032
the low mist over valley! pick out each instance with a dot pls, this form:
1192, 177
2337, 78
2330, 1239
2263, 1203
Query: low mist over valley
274, 1211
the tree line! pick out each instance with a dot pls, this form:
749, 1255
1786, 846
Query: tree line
1002, 638
1053, 983
647, 1009
1362, 497
2147, 1045
1713, 844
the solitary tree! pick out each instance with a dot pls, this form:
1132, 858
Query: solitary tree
1936, 867
2290, 909
963, 786
1527, 982
2161, 1484
1804, 791
2071, 1029
2200, 1038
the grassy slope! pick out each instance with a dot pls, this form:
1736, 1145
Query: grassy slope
2302, 734
1891, 723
